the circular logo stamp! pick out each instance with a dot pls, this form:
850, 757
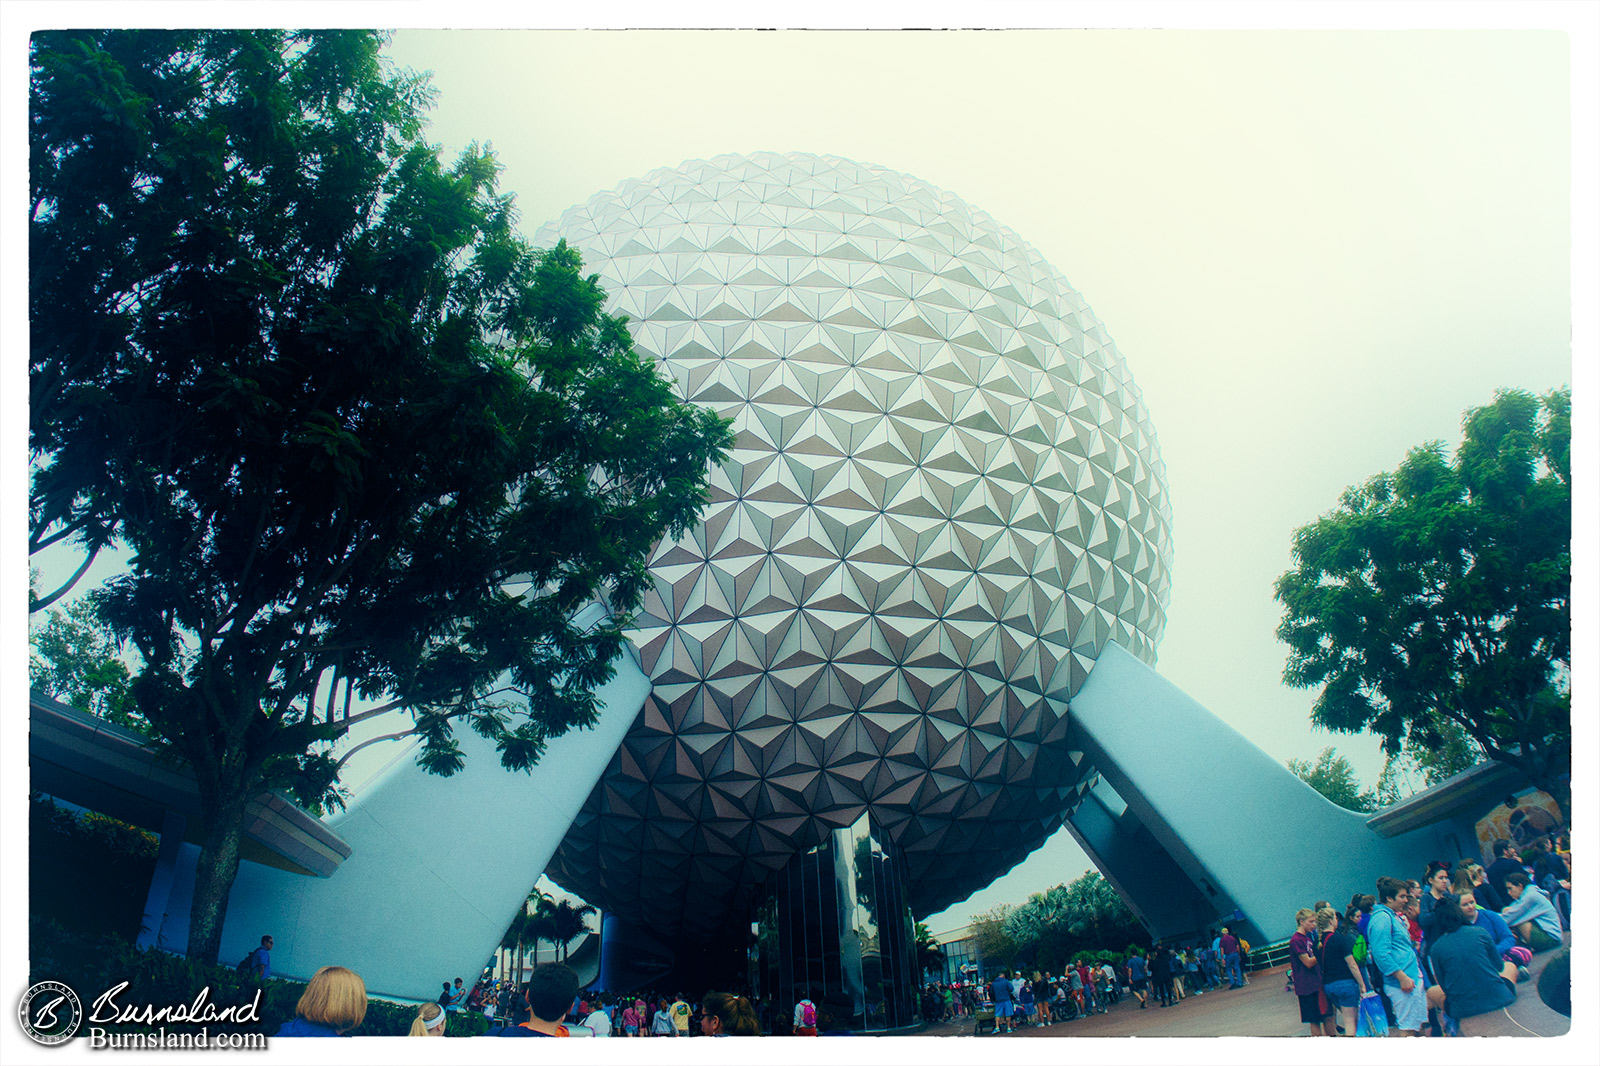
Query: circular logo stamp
50, 1013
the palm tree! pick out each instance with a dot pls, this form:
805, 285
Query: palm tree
527, 927
541, 928
567, 922
930, 956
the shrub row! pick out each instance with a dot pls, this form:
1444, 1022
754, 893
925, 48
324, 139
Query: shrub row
91, 963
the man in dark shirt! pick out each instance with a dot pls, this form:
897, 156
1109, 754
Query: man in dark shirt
547, 995
1506, 861
1002, 1003
1230, 957
258, 964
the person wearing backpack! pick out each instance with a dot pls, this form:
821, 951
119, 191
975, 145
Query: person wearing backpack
257, 965
805, 1018
1343, 983
1395, 957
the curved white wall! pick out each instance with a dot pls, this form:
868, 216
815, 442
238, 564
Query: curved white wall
438, 868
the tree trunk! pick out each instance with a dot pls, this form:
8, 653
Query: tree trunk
1560, 790
1550, 774
214, 873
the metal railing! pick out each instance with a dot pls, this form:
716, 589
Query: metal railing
1265, 958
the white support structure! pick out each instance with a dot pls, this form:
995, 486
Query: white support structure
437, 869
1191, 821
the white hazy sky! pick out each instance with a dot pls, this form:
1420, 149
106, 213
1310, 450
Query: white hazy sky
1315, 244
1315, 249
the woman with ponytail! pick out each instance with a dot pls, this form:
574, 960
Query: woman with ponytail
429, 1021
729, 1015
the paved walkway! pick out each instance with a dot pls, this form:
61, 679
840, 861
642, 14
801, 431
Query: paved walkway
1261, 1008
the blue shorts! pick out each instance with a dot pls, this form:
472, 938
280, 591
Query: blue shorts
1345, 993
1003, 1008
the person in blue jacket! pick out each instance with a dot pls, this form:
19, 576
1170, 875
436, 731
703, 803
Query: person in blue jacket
1505, 941
334, 1003
1531, 914
1395, 958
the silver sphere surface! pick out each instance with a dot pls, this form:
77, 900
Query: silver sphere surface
944, 499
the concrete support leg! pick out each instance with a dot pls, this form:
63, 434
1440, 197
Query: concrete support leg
1149, 880
438, 866
1244, 832
155, 904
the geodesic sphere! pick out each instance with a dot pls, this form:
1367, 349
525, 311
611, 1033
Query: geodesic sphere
944, 499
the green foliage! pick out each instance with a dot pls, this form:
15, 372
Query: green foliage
309, 375
558, 921
86, 870
564, 921
89, 963
74, 659
991, 934
1440, 595
1333, 776
930, 956
1417, 768
1071, 920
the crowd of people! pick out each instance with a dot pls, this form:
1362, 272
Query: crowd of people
1414, 958
1164, 975
1430, 955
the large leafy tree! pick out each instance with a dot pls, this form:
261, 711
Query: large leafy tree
991, 935
74, 659
1058, 924
1417, 768
1334, 777
1440, 595
358, 439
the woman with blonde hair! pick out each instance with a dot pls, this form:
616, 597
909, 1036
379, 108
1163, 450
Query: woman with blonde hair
429, 1021
1342, 980
334, 1002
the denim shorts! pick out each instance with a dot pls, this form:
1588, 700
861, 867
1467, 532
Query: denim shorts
1345, 993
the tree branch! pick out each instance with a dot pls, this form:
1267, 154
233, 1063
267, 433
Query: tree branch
37, 544
393, 705
35, 606
339, 766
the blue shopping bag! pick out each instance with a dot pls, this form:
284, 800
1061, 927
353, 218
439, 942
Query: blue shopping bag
1370, 1020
